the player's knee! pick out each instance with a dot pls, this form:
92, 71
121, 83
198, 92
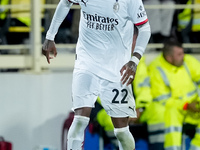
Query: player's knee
120, 133
81, 121
78, 125
76, 132
125, 138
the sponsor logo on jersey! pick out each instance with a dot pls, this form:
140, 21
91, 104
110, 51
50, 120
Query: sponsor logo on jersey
141, 14
98, 22
132, 108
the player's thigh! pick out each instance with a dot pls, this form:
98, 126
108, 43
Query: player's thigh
84, 89
117, 99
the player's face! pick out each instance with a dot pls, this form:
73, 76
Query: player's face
177, 56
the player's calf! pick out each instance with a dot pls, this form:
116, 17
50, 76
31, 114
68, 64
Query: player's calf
76, 133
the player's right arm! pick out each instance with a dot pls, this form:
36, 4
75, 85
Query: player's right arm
59, 15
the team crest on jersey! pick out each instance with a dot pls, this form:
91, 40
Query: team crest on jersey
116, 6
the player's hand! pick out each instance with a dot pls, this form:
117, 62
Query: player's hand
193, 107
128, 72
49, 48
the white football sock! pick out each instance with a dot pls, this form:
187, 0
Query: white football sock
125, 138
76, 133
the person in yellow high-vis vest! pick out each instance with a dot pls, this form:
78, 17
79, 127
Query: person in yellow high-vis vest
23, 14
187, 14
189, 23
174, 78
18, 22
3, 11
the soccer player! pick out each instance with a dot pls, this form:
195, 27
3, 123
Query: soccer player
104, 65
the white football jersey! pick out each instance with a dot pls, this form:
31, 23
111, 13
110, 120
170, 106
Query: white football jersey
106, 34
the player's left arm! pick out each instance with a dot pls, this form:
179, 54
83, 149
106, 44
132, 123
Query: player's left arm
140, 44
143, 36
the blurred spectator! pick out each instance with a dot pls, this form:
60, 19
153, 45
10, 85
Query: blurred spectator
160, 20
188, 22
15, 27
174, 78
20, 23
17, 21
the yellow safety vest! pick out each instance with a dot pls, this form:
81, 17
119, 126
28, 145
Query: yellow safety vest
22, 14
173, 85
185, 17
3, 11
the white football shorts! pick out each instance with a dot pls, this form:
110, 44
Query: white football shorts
117, 99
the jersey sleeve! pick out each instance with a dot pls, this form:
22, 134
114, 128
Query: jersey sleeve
59, 15
137, 12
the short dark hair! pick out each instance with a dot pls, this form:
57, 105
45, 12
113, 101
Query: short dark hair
168, 46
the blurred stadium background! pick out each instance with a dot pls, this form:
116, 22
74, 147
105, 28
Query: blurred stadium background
35, 97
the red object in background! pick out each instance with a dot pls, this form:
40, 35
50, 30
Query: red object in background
5, 145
